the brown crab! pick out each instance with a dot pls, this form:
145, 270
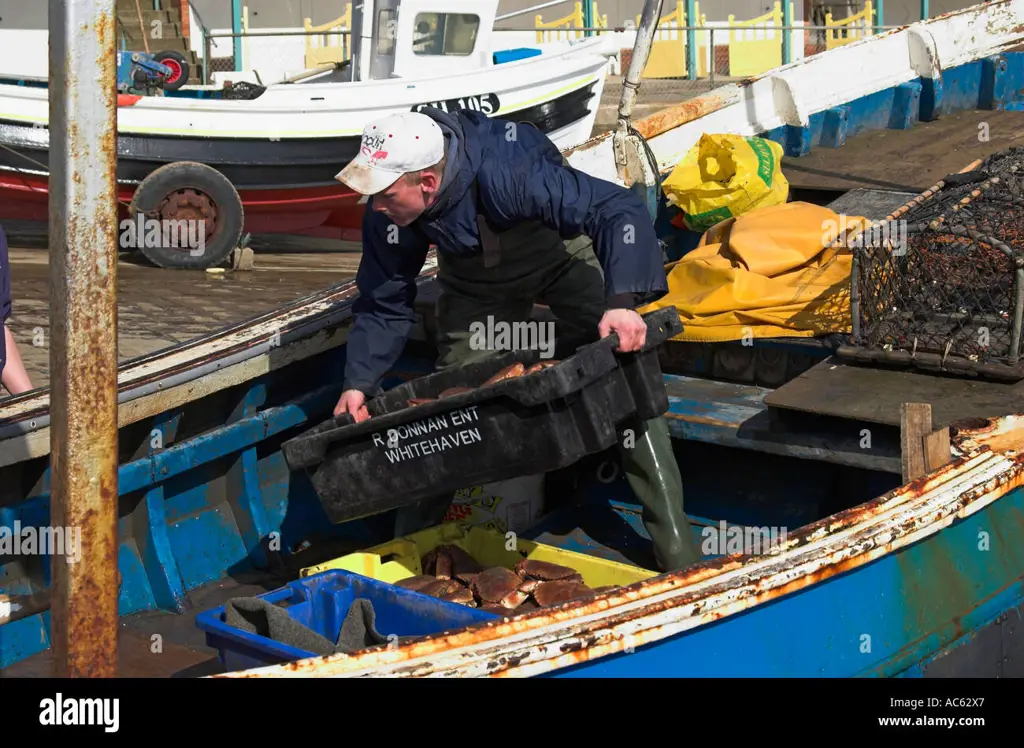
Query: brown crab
529, 585
437, 563
539, 366
453, 391
415, 583
448, 562
499, 586
462, 595
554, 593
546, 571
515, 370
441, 587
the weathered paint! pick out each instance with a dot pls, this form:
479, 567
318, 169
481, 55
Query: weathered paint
903, 521
83, 325
735, 415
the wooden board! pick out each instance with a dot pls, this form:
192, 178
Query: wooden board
909, 160
835, 388
734, 415
873, 204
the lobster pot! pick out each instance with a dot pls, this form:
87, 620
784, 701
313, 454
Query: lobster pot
941, 287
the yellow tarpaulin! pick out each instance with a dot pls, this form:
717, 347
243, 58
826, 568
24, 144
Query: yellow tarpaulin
764, 274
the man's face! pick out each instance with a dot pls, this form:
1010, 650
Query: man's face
405, 200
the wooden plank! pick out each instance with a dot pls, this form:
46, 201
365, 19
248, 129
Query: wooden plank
873, 204
911, 160
916, 423
836, 388
734, 415
936, 449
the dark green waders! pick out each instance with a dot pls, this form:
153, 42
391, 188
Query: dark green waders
535, 264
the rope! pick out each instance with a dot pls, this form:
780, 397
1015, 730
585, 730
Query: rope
142, 26
44, 167
650, 158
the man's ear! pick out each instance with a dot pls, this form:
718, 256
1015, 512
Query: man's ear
431, 181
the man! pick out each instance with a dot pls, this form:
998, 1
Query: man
513, 225
12, 371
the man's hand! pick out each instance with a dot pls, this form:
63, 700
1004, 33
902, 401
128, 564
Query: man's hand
354, 402
628, 324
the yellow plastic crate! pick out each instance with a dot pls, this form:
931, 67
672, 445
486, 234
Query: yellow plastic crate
400, 559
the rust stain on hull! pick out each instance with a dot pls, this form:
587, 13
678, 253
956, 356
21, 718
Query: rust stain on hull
680, 114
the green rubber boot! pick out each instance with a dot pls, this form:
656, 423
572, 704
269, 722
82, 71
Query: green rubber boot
653, 474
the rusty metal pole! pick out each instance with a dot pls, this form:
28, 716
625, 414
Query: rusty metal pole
83, 330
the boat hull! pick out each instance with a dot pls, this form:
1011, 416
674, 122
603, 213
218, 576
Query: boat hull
894, 617
283, 165
189, 514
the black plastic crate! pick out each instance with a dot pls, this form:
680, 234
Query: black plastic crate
521, 426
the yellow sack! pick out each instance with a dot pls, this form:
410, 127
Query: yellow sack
724, 176
765, 274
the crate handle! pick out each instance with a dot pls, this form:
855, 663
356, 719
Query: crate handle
662, 325
307, 450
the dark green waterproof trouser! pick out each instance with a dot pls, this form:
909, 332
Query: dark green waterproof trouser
538, 266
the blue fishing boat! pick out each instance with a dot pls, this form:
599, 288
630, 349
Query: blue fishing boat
887, 536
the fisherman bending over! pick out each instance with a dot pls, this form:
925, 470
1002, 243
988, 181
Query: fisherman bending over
513, 224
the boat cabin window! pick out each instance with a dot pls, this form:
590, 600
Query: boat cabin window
445, 33
387, 24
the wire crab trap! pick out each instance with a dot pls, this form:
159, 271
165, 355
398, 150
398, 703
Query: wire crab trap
941, 287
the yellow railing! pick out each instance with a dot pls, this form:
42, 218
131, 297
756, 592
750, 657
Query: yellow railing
327, 49
756, 47
849, 29
668, 49
568, 27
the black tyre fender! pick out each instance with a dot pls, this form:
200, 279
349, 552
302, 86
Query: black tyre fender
193, 181
181, 61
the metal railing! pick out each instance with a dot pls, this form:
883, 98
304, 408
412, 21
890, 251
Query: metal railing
722, 51
226, 64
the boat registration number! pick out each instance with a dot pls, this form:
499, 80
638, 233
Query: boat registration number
486, 103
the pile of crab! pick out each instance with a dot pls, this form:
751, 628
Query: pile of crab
517, 369
449, 573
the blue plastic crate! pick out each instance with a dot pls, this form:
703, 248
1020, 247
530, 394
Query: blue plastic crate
321, 602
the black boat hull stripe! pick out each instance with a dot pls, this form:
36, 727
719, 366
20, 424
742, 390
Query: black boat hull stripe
252, 163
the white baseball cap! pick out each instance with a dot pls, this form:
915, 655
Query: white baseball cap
391, 147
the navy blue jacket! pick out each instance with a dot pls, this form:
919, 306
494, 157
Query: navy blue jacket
520, 178
5, 297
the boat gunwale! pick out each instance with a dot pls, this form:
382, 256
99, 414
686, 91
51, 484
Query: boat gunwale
741, 92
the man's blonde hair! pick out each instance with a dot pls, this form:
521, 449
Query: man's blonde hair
416, 177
